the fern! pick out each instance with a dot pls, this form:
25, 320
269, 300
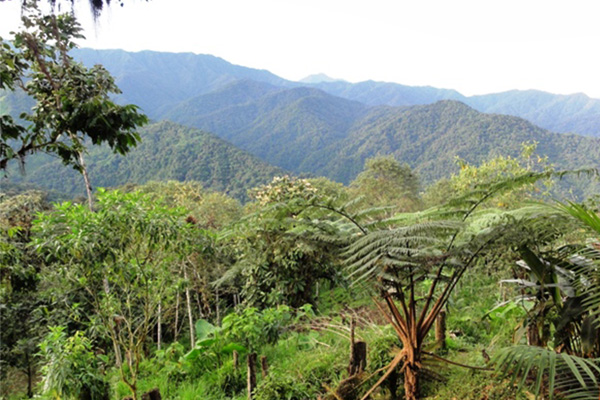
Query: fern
545, 371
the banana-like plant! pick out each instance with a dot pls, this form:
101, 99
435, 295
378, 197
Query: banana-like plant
567, 281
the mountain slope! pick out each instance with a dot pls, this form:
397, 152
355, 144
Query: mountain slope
307, 130
383, 93
282, 126
430, 137
575, 113
168, 152
152, 80
157, 81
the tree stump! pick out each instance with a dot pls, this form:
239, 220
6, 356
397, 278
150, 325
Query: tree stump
251, 374
154, 394
358, 358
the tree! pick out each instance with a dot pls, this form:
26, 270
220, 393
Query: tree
73, 106
386, 182
415, 265
277, 254
132, 243
19, 277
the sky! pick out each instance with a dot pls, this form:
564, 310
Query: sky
473, 46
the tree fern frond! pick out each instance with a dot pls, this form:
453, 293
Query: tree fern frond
573, 377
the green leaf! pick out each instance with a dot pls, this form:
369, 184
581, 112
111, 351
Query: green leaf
204, 329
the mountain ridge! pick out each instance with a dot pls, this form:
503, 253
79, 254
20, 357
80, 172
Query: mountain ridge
158, 80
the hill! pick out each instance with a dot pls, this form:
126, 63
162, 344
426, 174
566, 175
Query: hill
168, 152
430, 137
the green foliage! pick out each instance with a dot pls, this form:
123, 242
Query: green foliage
71, 369
282, 386
167, 152
117, 261
255, 328
72, 101
276, 249
570, 376
385, 182
281, 127
207, 209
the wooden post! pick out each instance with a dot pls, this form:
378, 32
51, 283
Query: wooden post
440, 330
358, 353
251, 374
236, 357
264, 367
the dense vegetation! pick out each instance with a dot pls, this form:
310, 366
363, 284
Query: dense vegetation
476, 286
306, 130
167, 152
160, 284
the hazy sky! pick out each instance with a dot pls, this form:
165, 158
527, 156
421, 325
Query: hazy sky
473, 46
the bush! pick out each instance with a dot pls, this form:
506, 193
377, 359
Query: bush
277, 387
71, 369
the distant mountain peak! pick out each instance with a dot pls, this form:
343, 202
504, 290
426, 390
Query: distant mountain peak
318, 78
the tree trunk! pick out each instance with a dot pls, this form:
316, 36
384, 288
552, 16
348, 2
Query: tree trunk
533, 334
176, 330
158, 328
29, 375
189, 309
251, 374
264, 367
358, 358
86, 179
236, 357
218, 309
411, 375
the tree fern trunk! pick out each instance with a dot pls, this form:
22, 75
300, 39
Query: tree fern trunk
411, 374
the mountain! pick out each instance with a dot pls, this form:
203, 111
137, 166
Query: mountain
382, 93
168, 151
575, 113
318, 78
430, 137
307, 130
284, 126
157, 81
153, 80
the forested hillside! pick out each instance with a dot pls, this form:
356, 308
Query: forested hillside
307, 130
167, 152
576, 113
